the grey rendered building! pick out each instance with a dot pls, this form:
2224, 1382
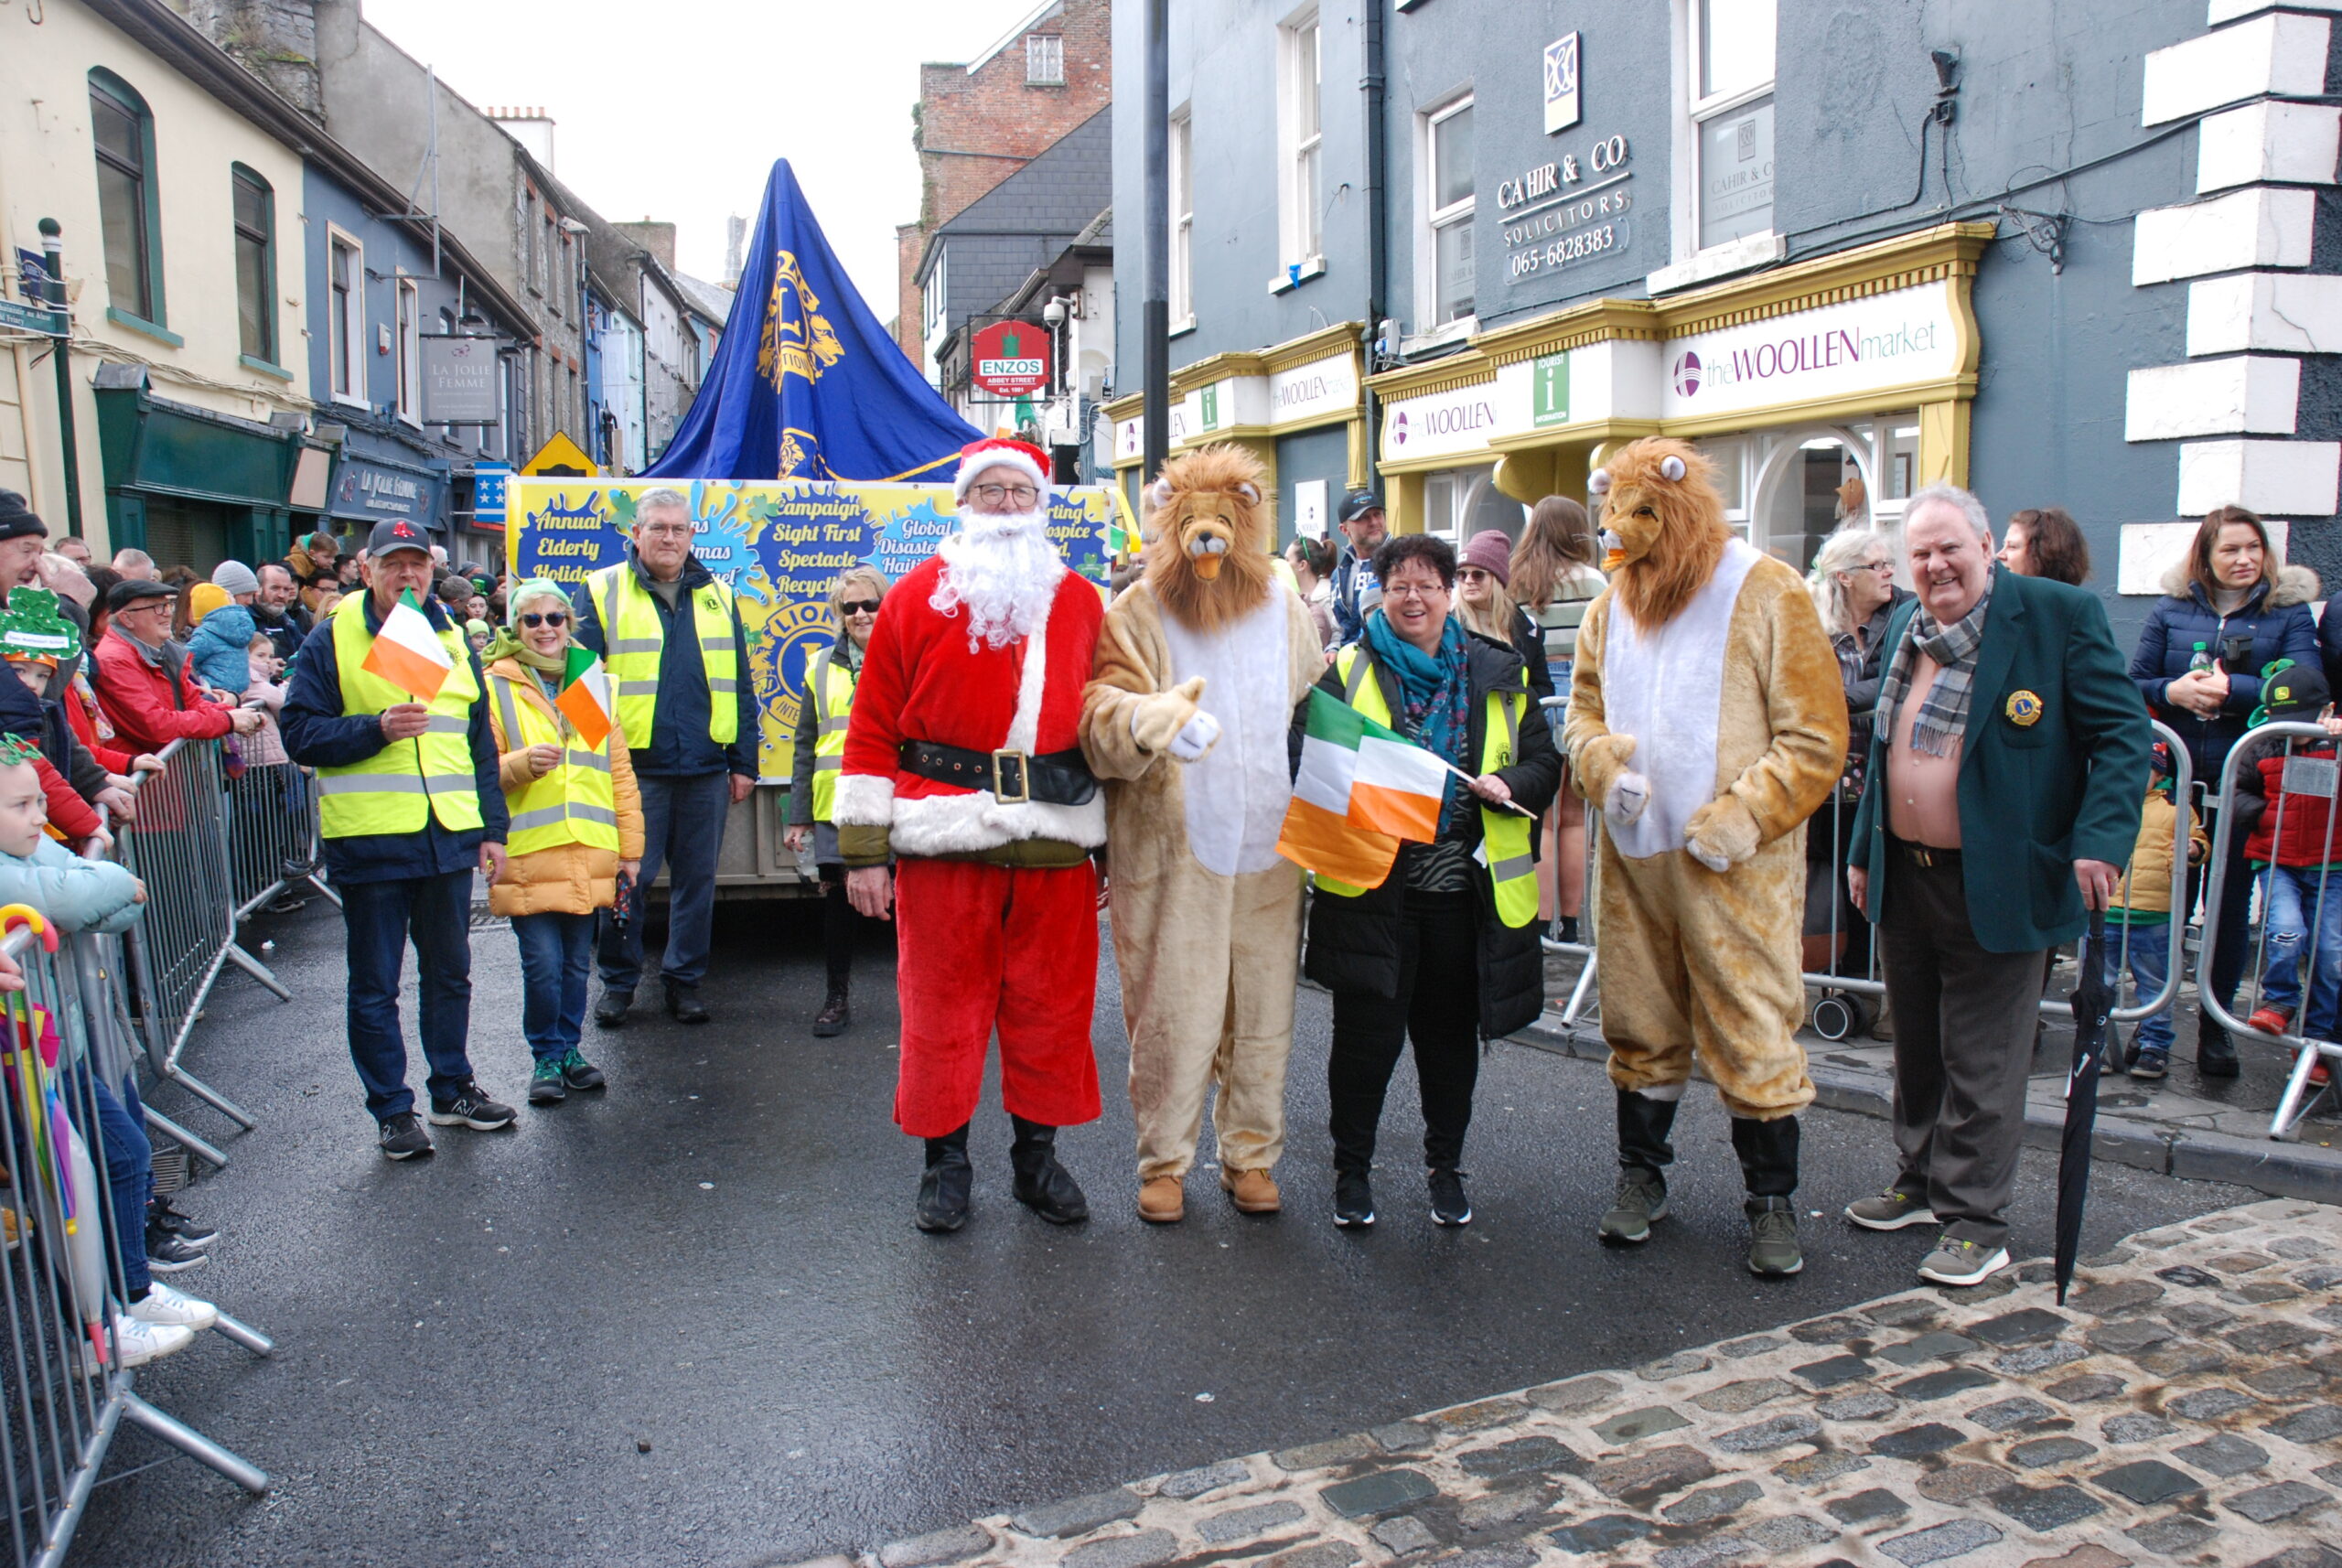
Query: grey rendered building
2070, 254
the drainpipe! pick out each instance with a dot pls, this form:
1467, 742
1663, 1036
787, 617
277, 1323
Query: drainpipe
52, 244
1155, 321
1377, 217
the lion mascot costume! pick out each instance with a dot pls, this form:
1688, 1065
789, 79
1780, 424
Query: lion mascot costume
1199, 667
1706, 723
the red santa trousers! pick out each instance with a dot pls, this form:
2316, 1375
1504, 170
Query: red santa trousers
984, 947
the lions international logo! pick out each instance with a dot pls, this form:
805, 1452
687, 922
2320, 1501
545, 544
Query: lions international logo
2024, 709
792, 640
797, 340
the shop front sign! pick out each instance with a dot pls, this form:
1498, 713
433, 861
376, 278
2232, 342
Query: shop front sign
1312, 392
1441, 424
1549, 390
1572, 210
376, 491
1864, 345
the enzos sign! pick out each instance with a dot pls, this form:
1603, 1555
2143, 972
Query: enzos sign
1010, 358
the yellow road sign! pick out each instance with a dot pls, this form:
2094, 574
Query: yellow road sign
561, 457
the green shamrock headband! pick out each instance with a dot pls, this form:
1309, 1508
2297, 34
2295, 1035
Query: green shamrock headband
15, 749
30, 627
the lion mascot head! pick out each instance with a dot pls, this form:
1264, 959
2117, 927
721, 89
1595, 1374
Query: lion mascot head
1207, 536
1662, 525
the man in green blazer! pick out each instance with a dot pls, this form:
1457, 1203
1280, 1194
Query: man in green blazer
2008, 761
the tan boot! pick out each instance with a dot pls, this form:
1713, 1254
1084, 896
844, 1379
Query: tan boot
1255, 1192
1162, 1200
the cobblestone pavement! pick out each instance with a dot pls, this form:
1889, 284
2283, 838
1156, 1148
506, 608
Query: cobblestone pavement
2181, 1407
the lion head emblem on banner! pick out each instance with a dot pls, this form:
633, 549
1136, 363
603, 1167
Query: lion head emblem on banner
797, 339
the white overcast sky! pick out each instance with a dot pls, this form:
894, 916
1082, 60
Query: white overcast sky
676, 109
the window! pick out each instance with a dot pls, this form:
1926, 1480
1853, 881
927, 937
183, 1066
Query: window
1731, 95
1450, 200
410, 351
1182, 286
1043, 60
1302, 124
255, 227
344, 317
529, 238
124, 134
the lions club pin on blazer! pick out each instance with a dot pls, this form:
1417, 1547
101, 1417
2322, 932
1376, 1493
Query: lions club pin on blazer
2024, 709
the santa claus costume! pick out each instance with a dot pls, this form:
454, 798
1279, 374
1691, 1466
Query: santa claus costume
962, 759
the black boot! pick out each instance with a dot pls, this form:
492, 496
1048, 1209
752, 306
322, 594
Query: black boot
943, 1187
2215, 1052
1044, 1185
1643, 1152
835, 1014
1767, 1152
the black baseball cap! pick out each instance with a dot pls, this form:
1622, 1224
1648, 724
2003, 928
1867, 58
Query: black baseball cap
137, 589
396, 534
1357, 504
2292, 690
18, 519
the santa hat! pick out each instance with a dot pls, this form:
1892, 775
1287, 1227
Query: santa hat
1000, 451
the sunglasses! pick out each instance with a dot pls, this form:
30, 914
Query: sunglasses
549, 618
858, 606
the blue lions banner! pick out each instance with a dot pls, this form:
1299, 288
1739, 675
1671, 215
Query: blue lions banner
806, 384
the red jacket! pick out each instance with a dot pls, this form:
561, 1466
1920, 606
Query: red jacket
67, 812
2303, 837
85, 718
151, 708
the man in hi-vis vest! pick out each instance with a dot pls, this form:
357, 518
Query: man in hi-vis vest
408, 807
669, 636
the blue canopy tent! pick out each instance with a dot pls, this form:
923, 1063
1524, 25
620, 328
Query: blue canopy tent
805, 384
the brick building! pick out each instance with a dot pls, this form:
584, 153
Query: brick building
975, 125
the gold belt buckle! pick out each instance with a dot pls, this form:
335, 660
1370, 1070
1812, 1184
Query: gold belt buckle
1007, 765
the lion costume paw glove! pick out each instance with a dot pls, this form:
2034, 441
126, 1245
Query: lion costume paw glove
1159, 720
1201, 734
1602, 766
1722, 833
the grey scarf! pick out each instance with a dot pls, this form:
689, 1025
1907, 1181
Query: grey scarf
1943, 714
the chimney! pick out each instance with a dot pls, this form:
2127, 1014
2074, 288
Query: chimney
736, 242
653, 236
532, 128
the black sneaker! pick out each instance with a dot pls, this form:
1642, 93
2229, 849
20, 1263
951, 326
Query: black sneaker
471, 1108
179, 1223
579, 1073
684, 1006
1448, 1204
167, 1254
1353, 1200
610, 1010
403, 1136
835, 1014
546, 1086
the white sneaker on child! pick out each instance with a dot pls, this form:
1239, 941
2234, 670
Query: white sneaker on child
165, 1306
142, 1342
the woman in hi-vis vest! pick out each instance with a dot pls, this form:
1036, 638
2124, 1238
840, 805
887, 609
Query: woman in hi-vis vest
576, 831
813, 778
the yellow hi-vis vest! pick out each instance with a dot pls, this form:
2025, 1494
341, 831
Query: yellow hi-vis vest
829, 705
573, 803
1512, 868
633, 636
394, 790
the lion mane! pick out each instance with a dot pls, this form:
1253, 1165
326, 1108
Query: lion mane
1208, 505
1670, 526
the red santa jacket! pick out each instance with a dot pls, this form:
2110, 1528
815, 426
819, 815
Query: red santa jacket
150, 707
922, 682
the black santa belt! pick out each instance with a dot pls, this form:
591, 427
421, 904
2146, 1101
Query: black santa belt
1054, 779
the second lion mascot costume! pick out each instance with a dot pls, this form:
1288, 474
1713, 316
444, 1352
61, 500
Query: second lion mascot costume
1706, 722
1199, 666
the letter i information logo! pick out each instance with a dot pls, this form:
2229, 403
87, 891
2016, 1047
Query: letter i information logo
1549, 385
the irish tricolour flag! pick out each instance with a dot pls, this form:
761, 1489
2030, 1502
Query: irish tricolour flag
1361, 788
408, 653
585, 696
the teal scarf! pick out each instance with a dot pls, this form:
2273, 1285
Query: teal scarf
1434, 691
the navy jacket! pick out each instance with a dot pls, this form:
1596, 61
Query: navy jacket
2275, 618
679, 744
1349, 578
318, 733
2053, 765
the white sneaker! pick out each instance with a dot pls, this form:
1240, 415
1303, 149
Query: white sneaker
165, 1306
1958, 1262
140, 1342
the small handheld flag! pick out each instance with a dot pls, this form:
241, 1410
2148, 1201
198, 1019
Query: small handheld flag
1362, 788
585, 696
408, 653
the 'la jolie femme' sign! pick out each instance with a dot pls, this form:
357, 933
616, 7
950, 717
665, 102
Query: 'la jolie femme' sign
1566, 211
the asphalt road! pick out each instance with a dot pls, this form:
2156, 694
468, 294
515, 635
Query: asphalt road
689, 1321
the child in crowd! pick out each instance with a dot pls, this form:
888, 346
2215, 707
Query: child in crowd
2293, 845
2140, 913
77, 894
264, 688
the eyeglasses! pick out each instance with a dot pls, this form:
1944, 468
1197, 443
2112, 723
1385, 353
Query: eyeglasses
858, 606
665, 531
1888, 567
1413, 590
1022, 495
549, 618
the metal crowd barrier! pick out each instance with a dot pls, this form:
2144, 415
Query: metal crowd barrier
2298, 775
274, 847
63, 1390
179, 844
1845, 1004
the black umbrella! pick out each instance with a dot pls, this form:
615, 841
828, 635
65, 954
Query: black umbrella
2093, 1003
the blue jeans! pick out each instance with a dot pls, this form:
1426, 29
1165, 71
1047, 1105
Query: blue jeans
382, 918
2150, 966
682, 826
557, 952
129, 1158
2294, 902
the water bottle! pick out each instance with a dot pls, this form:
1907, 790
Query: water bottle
2203, 659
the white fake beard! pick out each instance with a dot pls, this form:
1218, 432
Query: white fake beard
1004, 570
